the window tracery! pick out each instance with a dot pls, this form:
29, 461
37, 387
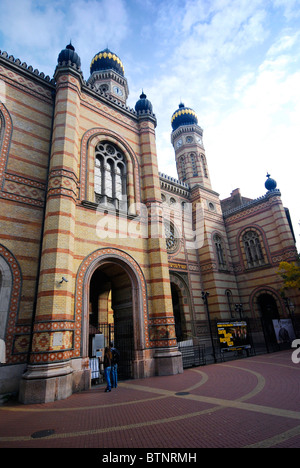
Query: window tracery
110, 174
253, 249
172, 238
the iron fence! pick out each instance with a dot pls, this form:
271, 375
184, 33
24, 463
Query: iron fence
121, 334
201, 349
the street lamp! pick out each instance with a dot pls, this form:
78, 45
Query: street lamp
205, 295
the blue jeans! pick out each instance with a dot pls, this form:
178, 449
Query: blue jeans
107, 371
114, 375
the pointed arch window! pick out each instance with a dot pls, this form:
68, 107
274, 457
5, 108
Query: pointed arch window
203, 161
110, 175
194, 165
253, 249
219, 246
182, 167
229, 298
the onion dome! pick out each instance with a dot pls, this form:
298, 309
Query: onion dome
143, 104
270, 184
183, 116
107, 60
69, 54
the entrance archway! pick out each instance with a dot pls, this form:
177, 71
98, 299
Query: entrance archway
268, 311
182, 309
180, 326
111, 313
267, 306
97, 271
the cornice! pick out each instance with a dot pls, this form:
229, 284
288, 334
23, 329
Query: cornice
186, 129
26, 70
265, 198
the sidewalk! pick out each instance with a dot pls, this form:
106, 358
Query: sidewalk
251, 402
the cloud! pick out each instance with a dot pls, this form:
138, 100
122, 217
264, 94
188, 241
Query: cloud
41, 29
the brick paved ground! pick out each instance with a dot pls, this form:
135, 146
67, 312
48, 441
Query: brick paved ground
248, 402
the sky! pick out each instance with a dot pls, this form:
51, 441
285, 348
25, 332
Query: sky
236, 63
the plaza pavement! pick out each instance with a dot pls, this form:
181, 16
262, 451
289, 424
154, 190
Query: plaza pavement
250, 402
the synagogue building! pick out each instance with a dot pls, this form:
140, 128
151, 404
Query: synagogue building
94, 241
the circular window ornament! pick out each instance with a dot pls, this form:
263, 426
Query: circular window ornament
172, 238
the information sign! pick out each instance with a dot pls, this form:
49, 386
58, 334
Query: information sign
233, 336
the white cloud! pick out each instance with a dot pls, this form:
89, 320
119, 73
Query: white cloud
40, 29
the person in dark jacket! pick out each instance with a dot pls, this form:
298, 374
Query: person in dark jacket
114, 365
107, 368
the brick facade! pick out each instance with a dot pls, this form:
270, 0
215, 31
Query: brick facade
54, 235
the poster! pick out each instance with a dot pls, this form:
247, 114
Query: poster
233, 336
284, 331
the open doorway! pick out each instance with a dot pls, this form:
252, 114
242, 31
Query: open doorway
111, 314
269, 311
178, 311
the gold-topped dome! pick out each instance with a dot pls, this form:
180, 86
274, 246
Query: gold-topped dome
183, 116
106, 60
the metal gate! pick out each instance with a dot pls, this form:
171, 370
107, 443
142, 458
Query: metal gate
121, 334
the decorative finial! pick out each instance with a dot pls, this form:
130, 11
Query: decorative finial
270, 183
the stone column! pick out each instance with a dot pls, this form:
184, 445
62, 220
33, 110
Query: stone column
161, 319
49, 375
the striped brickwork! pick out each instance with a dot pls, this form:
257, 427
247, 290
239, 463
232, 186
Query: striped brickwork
26, 107
267, 217
51, 226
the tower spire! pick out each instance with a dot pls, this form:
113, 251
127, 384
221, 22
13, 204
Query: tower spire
187, 141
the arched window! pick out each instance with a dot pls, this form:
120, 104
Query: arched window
203, 161
220, 251
253, 249
182, 167
110, 175
229, 298
194, 165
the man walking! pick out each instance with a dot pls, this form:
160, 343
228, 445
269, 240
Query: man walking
114, 365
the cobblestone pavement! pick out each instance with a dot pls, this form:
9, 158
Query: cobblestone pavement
250, 402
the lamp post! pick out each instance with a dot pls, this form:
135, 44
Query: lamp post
205, 295
239, 309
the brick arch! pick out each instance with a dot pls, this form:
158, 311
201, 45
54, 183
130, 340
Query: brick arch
10, 299
264, 290
140, 311
6, 128
88, 144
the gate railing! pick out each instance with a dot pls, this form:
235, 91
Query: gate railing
121, 334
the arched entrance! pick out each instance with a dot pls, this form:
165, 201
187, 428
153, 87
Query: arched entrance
181, 308
111, 288
180, 325
268, 310
111, 313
